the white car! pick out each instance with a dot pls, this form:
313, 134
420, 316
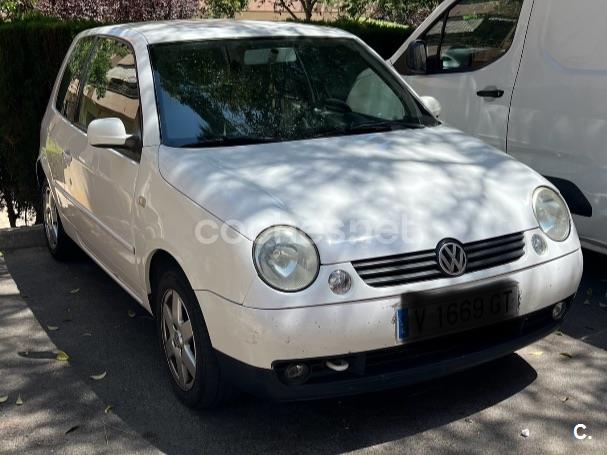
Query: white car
294, 217
505, 72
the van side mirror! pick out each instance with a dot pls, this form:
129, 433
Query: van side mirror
110, 133
416, 57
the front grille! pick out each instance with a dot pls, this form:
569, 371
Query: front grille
422, 266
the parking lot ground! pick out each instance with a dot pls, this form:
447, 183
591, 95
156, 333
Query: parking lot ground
49, 407
546, 388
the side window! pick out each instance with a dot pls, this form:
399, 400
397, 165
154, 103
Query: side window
472, 34
67, 94
110, 87
371, 96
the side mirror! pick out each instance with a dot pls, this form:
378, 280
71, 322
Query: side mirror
110, 133
432, 104
416, 57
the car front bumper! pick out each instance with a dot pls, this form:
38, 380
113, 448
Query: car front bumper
254, 344
395, 367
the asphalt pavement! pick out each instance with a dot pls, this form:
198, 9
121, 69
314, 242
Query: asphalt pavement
546, 388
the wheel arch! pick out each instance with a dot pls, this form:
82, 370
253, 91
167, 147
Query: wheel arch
158, 260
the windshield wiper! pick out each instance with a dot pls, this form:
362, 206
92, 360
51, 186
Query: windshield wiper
227, 141
366, 127
373, 127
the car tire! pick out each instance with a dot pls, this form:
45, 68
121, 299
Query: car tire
186, 346
59, 244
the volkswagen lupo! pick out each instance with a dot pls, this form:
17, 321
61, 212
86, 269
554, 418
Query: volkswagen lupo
295, 217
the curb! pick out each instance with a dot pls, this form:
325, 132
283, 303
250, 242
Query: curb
22, 237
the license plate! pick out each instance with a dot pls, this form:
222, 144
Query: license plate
423, 316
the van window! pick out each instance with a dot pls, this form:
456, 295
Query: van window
110, 87
472, 34
67, 95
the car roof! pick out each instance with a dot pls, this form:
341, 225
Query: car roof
191, 30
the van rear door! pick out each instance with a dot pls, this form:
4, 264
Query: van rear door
473, 51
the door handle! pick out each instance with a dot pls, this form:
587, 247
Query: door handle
490, 93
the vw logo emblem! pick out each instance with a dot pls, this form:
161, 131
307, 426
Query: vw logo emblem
451, 257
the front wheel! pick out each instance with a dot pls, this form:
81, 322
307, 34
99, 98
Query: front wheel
186, 346
58, 242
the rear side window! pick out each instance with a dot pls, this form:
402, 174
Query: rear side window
67, 95
472, 34
110, 87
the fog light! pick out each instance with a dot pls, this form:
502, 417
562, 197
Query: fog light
340, 282
558, 311
296, 372
539, 244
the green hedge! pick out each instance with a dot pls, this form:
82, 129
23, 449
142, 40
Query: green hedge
31, 52
384, 37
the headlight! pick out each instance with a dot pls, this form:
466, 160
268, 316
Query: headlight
286, 258
552, 213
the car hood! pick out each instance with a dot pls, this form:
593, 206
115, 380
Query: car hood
362, 196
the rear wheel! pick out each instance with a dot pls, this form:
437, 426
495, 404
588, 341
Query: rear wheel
59, 244
186, 346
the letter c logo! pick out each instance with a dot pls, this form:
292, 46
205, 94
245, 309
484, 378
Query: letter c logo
576, 434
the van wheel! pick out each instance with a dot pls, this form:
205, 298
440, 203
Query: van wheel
58, 242
189, 357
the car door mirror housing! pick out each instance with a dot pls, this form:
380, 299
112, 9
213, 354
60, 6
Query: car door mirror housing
110, 133
432, 104
417, 57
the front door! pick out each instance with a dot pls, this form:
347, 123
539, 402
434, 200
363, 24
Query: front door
105, 191
474, 50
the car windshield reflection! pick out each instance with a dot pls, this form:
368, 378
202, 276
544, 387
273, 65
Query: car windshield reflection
240, 92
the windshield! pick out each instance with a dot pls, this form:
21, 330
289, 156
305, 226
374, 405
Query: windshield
213, 93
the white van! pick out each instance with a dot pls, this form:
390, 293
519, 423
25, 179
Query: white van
529, 77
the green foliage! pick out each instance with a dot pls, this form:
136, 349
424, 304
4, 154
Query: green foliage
101, 64
411, 12
31, 52
384, 37
352, 9
223, 8
11, 10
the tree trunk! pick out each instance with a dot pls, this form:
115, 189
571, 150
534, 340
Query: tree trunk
12, 216
39, 214
308, 7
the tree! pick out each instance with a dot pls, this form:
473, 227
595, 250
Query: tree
119, 10
223, 8
411, 12
406, 12
353, 9
307, 6
15, 9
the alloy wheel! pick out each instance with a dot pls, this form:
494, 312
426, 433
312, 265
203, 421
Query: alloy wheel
178, 339
51, 218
